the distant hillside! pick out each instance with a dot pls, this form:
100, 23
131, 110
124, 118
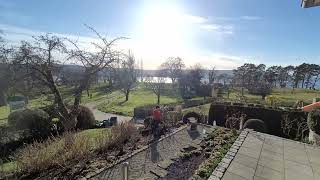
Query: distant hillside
155, 72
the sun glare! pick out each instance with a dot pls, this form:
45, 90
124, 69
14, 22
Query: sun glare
164, 29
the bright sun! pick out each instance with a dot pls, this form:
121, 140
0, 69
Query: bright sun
164, 29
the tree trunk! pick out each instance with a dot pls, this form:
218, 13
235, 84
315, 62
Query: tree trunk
88, 93
158, 95
69, 119
315, 82
127, 95
3, 100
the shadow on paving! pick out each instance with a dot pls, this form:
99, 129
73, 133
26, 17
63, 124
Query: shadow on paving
153, 161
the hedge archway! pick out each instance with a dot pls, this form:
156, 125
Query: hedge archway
255, 124
195, 115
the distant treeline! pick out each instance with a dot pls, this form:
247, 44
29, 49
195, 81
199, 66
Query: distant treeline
302, 76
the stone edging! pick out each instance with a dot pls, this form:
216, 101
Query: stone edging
90, 175
219, 171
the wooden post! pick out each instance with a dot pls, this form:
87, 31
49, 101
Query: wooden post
125, 171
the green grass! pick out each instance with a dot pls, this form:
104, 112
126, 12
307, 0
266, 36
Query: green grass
289, 97
97, 92
140, 96
92, 133
286, 96
202, 109
4, 113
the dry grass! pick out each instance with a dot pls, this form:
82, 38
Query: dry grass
60, 152
54, 152
121, 134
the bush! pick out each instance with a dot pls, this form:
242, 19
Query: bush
36, 122
173, 117
232, 122
85, 119
123, 132
314, 120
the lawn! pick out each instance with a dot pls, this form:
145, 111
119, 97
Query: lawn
97, 92
140, 96
202, 109
285, 96
4, 112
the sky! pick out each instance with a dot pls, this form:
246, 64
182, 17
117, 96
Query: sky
220, 33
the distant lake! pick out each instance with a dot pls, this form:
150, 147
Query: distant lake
169, 81
166, 79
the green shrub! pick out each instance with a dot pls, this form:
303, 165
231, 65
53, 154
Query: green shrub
314, 120
85, 119
36, 122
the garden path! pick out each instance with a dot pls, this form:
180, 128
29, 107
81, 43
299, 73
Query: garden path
100, 116
152, 162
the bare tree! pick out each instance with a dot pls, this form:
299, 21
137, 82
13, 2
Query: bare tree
127, 75
156, 85
212, 75
110, 73
173, 68
5, 72
40, 60
294, 126
224, 78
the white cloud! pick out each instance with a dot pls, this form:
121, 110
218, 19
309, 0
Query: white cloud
203, 23
15, 34
194, 19
225, 29
250, 18
239, 18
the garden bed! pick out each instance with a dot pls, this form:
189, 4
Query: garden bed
199, 163
86, 155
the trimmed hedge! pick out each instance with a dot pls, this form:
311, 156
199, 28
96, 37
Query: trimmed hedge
272, 117
195, 115
255, 124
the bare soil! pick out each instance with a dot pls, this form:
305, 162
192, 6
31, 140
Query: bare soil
193, 162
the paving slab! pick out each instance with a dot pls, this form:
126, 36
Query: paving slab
268, 173
231, 176
266, 157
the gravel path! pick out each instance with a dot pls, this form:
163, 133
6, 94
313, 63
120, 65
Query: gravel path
100, 116
153, 161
